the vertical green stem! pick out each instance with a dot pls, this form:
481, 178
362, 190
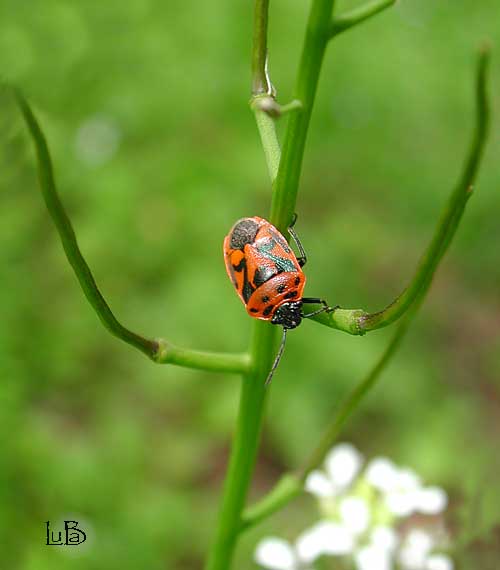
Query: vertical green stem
244, 448
251, 410
261, 85
287, 181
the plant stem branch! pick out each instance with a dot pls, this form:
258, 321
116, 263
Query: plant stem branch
356, 321
353, 18
157, 349
168, 353
68, 238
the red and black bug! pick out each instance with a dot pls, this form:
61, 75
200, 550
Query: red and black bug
267, 275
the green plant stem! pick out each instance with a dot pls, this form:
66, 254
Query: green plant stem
244, 447
287, 181
168, 353
356, 321
261, 84
157, 349
353, 18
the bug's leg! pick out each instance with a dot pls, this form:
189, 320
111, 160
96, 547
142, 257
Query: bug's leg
303, 257
277, 358
316, 300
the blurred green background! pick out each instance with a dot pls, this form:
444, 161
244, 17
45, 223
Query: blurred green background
156, 154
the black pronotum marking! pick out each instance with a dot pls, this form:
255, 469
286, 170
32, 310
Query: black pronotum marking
253, 310
265, 299
291, 295
268, 310
243, 232
280, 288
297, 280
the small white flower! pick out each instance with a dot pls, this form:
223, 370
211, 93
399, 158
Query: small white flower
354, 514
439, 562
373, 558
384, 537
408, 480
431, 500
342, 465
324, 538
318, 484
420, 539
416, 549
382, 474
400, 503
402, 499
276, 554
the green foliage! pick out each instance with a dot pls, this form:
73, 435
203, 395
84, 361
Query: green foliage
92, 428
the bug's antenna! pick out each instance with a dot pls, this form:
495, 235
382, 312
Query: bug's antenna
278, 358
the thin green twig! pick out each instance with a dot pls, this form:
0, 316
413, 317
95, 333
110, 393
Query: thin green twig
68, 238
157, 349
357, 16
357, 321
168, 353
261, 84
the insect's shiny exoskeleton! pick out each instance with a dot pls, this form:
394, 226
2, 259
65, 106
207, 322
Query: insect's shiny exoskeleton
267, 275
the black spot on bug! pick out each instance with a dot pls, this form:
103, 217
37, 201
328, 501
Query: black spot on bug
291, 295
297, 280
241, 265
280, 288
263, 274
265, 299
267, 311
254, 310
243, 232
247, 291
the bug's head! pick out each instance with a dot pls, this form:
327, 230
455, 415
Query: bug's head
288, 315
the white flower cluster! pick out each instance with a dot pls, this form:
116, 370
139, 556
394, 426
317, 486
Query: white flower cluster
362, 511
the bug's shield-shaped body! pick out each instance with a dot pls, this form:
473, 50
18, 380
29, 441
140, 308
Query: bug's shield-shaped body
262, 267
